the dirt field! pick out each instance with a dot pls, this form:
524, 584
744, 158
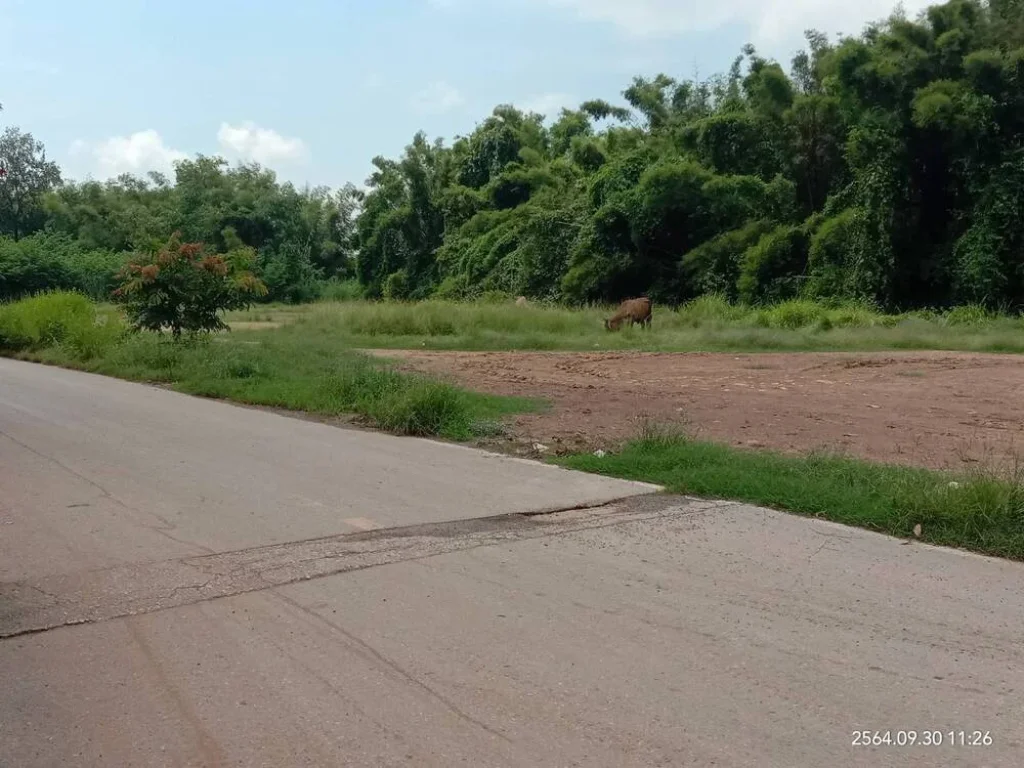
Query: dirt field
933, 409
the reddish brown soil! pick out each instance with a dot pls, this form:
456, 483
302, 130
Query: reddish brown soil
932, 409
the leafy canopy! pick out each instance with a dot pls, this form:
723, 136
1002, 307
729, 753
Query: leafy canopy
185, 288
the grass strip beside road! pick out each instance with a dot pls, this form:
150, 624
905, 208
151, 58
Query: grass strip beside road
285, 367
982, 512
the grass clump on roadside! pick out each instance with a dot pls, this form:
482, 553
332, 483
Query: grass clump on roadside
58, 319
709, 323
285, 367
980, 512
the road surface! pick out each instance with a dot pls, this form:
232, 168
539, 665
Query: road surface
189, 583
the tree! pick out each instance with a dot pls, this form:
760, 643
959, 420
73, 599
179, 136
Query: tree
402, 221
27, 176
185, 288
883, 166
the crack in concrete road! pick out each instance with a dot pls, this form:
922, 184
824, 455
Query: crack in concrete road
102, 595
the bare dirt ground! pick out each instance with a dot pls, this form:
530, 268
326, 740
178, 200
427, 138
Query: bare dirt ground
933, 409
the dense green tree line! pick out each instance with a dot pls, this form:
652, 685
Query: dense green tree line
887, 167
79, 235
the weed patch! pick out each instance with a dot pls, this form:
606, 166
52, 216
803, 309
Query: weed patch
980, 512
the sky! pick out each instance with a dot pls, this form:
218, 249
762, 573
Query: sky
316, 88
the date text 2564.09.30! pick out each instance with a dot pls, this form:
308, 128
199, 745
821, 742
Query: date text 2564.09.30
927, 738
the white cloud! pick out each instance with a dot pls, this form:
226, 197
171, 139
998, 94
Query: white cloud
547, 104
250, 142
437, 98
145, 151
139, 153
772, 20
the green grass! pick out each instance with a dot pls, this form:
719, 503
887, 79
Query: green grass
983, 512
707, 324
306, 365
58, 319
286, 367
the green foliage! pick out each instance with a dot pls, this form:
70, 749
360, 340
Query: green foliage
897, 144
989, 255
713, 267
94, 273
184, 288
302, 366
27, 177
396, 286
794, 314
341, 290
57, 319
300, 237
494, 321
983, 512
289, 275
884, 166
42, 261
711, 309
829, 258
31, 265
53, 261
771, 268
733, 142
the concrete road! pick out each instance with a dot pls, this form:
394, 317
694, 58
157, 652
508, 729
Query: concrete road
653, 631
98, 472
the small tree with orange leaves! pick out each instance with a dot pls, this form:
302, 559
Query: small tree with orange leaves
185, 288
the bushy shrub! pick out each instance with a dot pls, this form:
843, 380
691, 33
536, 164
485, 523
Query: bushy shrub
95, 273
713, 267
396, 286
771, 269
31, 265
341, 290
289, 275
455, 288
46, 262
185, 289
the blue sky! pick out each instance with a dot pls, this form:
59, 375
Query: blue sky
315, 89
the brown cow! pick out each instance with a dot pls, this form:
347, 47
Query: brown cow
633, 310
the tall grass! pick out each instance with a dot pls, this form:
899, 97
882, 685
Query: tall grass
60, 320
707, 324
340, 290
285, 367
983, 512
